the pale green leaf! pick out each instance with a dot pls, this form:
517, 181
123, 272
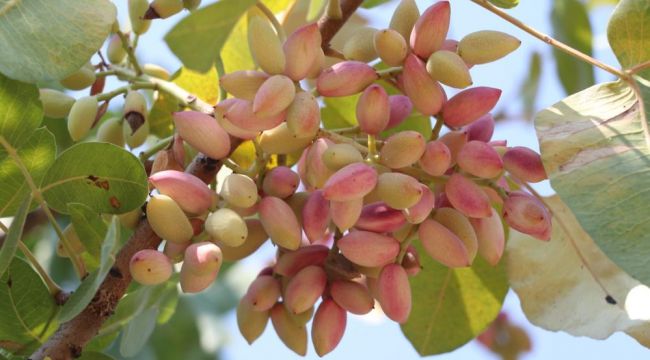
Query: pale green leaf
105, 177
137, 332
419, 123
368, 4
209, 26
595, 148
505, 4
90, 228
452, 306
48, 40
629, 34
562, 284
37, 155
571, 25
27, 309
13, 236
235, 53
340, 112
530, 86
204, 85
94, 355
21, 111
160, 119
316, 7
86, 291
135, 302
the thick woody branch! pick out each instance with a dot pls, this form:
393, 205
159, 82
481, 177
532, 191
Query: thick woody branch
330, 25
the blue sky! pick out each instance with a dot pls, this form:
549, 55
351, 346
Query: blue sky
377, 339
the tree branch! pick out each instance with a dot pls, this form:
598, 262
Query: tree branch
330, 25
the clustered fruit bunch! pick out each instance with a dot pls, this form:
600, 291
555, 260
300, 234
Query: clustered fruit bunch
345, 217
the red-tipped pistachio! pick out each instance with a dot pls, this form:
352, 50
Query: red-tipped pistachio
369, 249
150, 267
188, 191
280, 222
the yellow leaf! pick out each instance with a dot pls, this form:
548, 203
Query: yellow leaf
569, 284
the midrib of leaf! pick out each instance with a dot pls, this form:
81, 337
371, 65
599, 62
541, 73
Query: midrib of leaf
642, 110
81, 177
569, 236
12, 3
434, 313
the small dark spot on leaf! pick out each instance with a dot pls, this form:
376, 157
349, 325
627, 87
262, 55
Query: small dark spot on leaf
610, 300
114, 202
9, 282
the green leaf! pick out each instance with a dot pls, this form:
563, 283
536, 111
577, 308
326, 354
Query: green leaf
94, 355
47, 40
162, 296
209, 26
596, 150
160, 119
419, 123
629, 34
37, 155
21, 111
235, 53
103, 176
204, 85
368, 4
580, 276
452, 306
137, 332
505, 4
15, 233
316, 7
571, 26
27, 309
340, 112
90, 228
530, 86
168, 345
86, 291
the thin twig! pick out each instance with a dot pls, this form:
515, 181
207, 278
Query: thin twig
638, 67
53, 288
130, 52
549, 40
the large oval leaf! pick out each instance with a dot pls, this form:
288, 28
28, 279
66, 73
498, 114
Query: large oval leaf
452, 306
563, 283
102, 176
571, 25
209, 26
628, 32
27, 309
20, 109
37, 155
47, 40
14, 235
594, 146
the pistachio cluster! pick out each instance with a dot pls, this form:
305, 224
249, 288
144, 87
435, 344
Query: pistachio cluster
345, 217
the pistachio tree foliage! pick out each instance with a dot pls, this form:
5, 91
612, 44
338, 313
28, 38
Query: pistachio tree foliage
334, 142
